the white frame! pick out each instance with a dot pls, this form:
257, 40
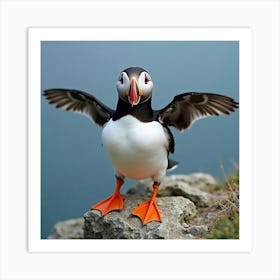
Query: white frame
262, 262
243, 35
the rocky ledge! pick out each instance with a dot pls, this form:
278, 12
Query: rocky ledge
180, 200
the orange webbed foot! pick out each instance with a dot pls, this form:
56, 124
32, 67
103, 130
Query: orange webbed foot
148, 211
114, 202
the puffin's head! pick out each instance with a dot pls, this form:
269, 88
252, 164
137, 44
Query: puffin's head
134, 85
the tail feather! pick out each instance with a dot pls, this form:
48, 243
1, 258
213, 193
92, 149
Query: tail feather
172, 164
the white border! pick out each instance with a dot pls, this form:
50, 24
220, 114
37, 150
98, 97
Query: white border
243, 35
263, 260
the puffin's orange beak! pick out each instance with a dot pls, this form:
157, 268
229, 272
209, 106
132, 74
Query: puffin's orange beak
133, 95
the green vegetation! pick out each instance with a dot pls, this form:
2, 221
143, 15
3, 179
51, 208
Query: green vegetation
226, 222
225, 228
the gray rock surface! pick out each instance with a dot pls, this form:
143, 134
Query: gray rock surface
178, 199
70, 229
199, 180
197, 230
122, 225
188, 186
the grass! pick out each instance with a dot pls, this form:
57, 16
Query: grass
225, 225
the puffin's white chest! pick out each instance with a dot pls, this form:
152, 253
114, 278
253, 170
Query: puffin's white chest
138, 150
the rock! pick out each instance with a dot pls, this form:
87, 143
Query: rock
70, 229
197, 230
179, 198
170, 187
199, 180
188, 186
122, 225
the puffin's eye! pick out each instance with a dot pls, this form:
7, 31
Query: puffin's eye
121, 79
146, 79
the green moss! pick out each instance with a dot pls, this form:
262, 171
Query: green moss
225, 227
226, 223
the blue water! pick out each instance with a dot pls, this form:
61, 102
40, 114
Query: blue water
76, 172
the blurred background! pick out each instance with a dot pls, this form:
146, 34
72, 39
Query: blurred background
75, 169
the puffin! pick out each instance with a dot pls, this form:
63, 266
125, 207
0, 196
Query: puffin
137, 138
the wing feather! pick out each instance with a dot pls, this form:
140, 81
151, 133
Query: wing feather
79, 101
188, 107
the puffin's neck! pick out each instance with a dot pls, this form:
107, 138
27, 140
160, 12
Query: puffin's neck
143, 111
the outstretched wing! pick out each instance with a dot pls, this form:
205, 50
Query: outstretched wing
188, 107
79, 101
